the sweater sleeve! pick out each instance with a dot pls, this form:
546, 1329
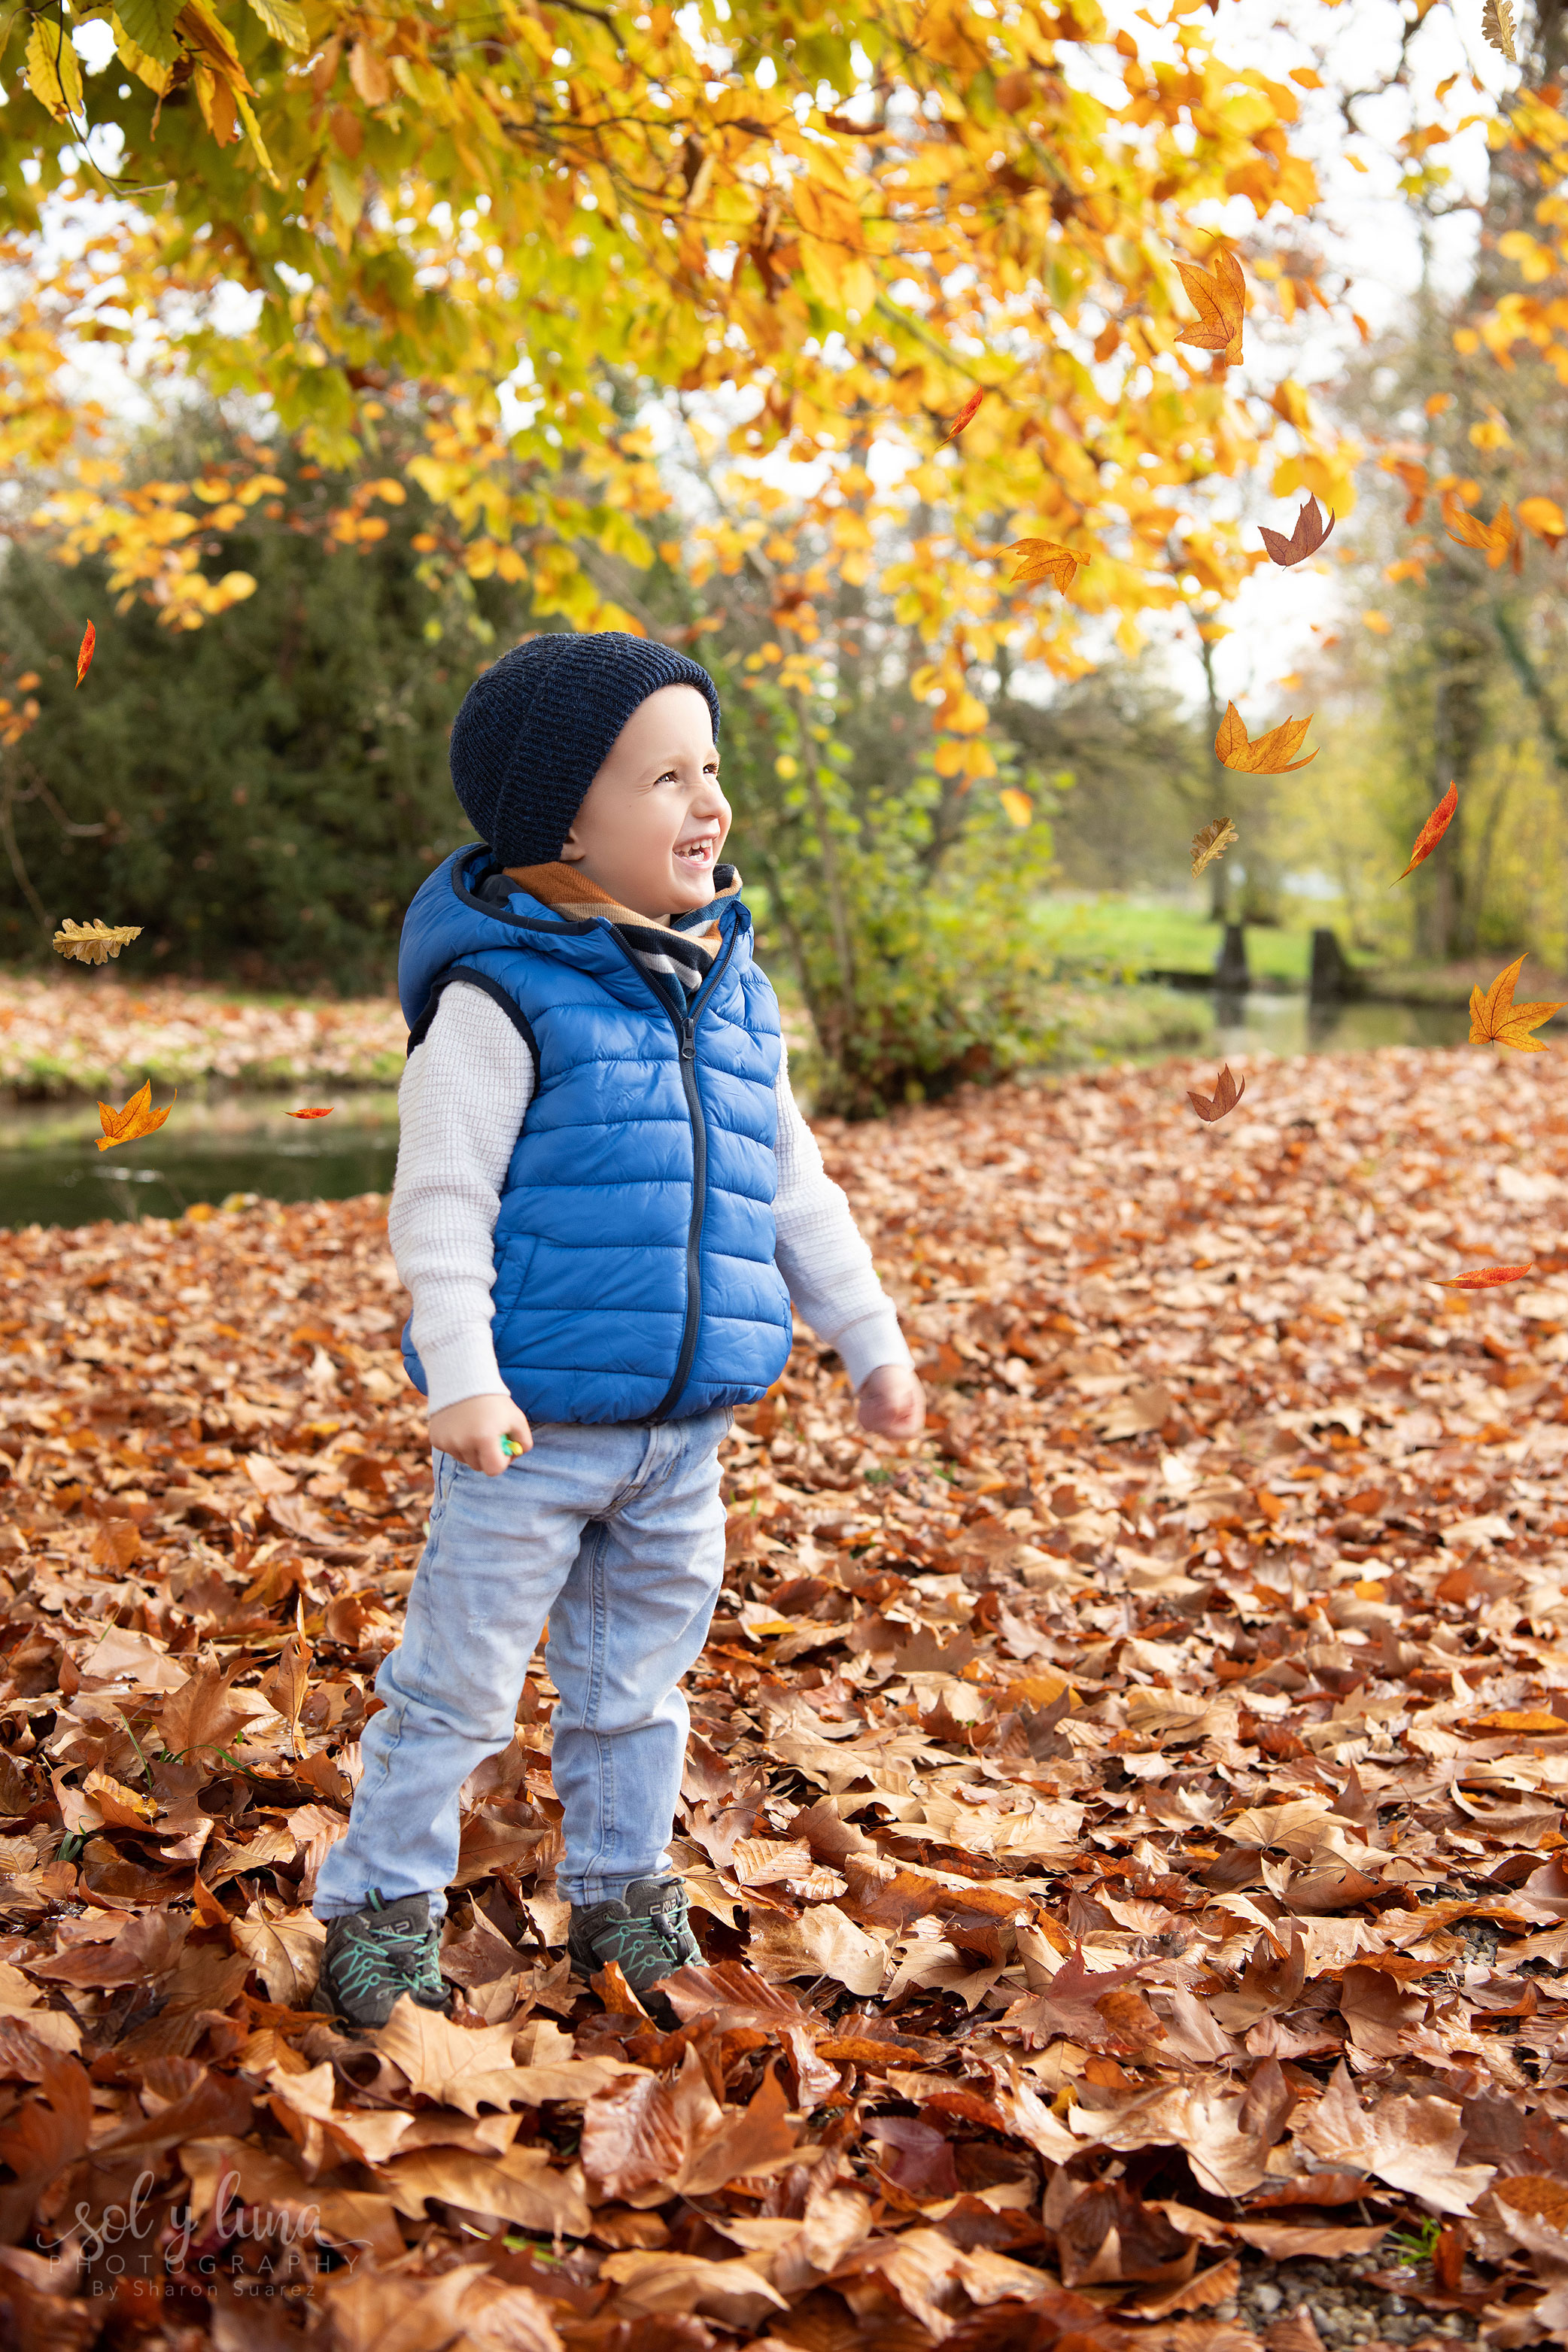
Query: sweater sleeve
460, 1105
824, 1258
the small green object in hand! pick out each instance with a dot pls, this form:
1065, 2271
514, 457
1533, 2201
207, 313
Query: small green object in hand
510, 1445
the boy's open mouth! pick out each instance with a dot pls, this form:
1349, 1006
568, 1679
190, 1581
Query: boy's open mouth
696, 853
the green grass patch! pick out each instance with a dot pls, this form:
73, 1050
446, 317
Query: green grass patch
1138, 935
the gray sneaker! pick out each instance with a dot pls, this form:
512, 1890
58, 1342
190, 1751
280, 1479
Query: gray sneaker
647, 1936
373, 1956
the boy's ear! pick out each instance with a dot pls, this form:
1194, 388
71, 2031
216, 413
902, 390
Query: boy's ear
571, 850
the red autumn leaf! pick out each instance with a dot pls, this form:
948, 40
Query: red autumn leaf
84, 657
1484, 1278
1222, 1102
967, 415
1432, 832
325, 1113
1309, 535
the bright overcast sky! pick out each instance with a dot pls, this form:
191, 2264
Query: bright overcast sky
1366, 231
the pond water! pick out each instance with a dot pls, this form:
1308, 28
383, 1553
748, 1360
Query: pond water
1263, 1024
52, 1173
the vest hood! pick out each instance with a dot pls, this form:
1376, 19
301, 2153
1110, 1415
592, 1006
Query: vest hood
447, 920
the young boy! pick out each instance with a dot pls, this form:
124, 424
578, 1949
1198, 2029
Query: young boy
605, 1198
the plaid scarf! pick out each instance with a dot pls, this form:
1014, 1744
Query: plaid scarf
677, 952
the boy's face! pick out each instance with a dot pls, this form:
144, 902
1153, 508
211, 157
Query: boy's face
654, 820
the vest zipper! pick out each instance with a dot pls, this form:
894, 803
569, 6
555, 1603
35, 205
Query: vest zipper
685, 1023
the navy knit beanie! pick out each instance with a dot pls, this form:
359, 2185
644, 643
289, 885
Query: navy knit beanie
537, 726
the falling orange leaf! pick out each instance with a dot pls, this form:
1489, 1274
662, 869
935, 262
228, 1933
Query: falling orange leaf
1416, 481
965, 416
1220, 300
1225, 1096
1484, 1278
1271, 755
312, 1114
1432, 832
1497, 1020
1493, 538
137, 1119
84, 659
1309, 535
1020, 808
1545, 518
1042, 558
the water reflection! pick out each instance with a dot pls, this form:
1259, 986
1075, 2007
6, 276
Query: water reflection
52, 1173
1256, 1023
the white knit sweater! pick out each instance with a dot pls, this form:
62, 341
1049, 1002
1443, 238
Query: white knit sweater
460, 1105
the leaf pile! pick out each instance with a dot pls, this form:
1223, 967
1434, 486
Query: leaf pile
98, 1036
1125, 1833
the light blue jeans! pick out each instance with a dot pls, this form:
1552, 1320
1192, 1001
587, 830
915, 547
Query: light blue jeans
614, 1533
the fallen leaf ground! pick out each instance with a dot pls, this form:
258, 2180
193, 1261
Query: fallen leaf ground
1125, 1833
96, 1032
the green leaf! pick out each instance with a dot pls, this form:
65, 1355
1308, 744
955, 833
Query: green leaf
150, 25
285, 20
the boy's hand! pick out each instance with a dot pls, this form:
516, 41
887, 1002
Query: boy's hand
471, 1432
892, 1403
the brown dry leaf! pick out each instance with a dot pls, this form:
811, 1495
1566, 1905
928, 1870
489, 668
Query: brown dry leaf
116, 1543
1497, 28
734, 2293
821, 1942
1212, 840
1309, 535
1222, 1102
1219, 297
638, 2135
466, 2070
1068, 2009
1273, 754
521, 2186
138, 1117
1497, 1020
202, 1717
93, 942
285, 1950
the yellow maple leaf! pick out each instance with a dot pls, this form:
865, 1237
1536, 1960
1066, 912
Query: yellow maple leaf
1497, 1020
1219, 299
1043, 559
1271, 755
137, 1119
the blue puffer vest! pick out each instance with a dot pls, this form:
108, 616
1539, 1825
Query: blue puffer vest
634, 1250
